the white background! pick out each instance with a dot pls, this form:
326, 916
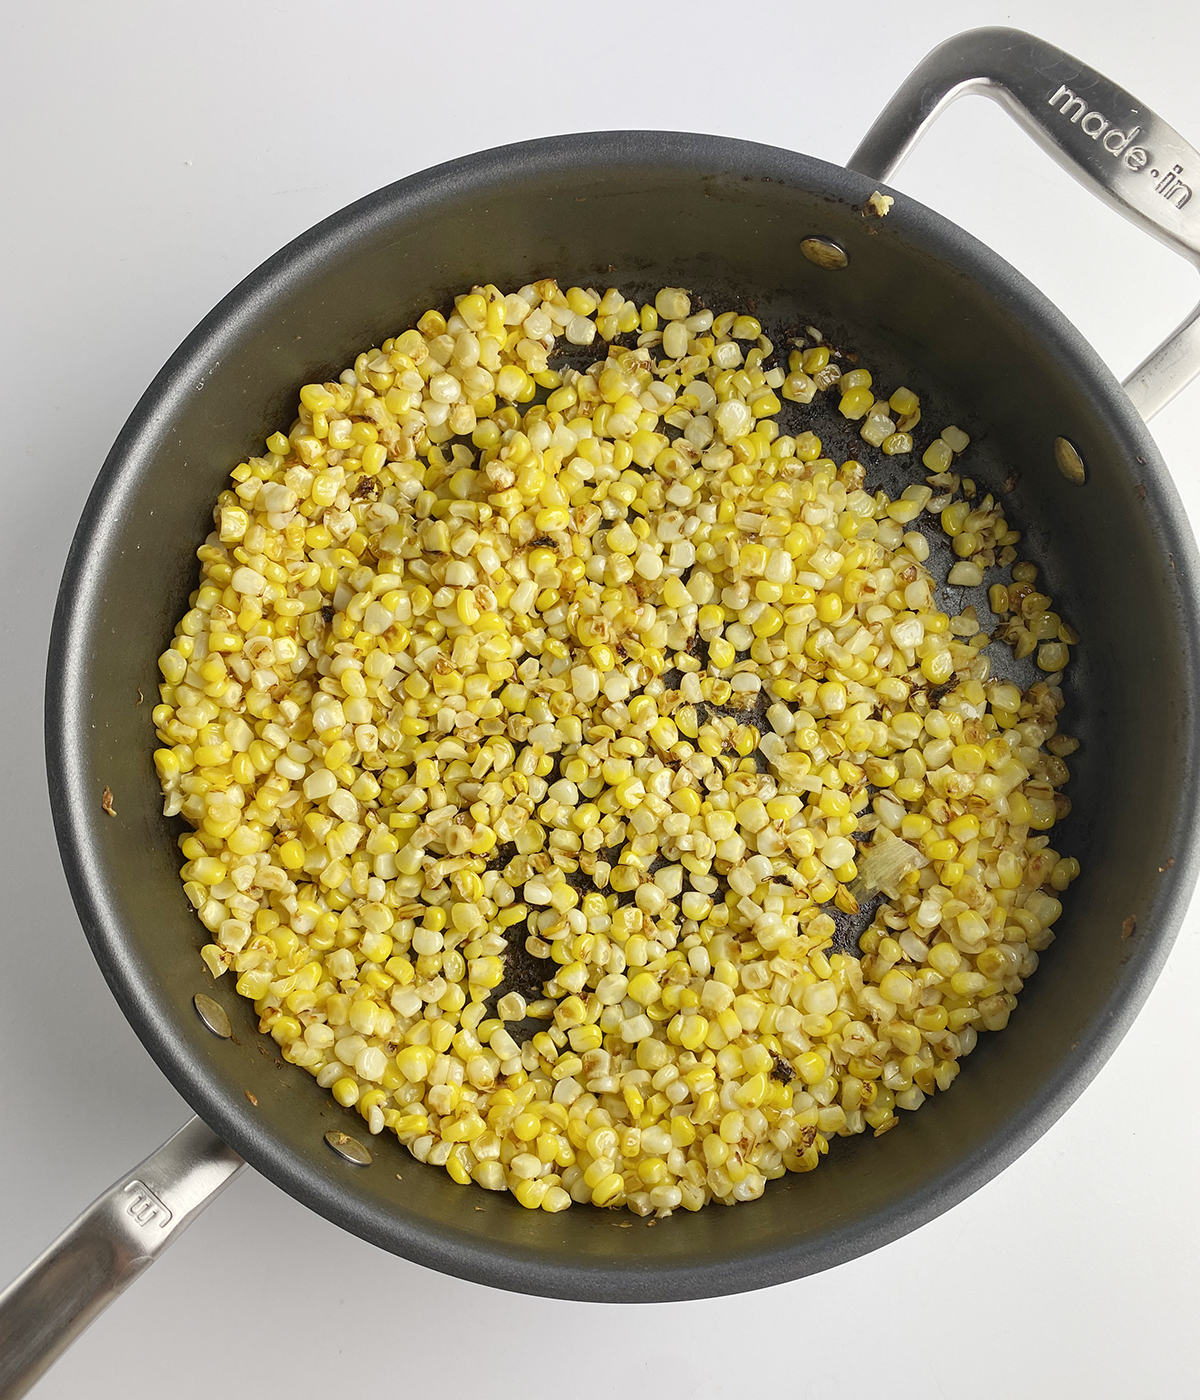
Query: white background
152, 154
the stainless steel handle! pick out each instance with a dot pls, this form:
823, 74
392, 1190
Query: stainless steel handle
99, 1256
1107, 139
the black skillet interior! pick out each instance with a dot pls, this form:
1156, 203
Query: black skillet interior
922, 304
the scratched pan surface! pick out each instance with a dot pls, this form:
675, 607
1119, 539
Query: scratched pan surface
922, 304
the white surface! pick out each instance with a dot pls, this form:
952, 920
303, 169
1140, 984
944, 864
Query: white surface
153, 154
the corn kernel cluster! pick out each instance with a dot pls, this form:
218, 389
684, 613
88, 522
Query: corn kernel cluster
530, 721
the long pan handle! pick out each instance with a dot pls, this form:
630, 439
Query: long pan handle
1097, 131
99, 1256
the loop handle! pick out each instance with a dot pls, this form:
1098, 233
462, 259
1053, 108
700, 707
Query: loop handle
1108, 140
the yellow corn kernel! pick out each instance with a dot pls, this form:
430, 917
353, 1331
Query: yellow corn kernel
488, 714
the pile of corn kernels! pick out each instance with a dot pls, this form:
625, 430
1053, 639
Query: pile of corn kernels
531, 723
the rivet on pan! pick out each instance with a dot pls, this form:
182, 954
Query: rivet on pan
824, 252
1070, 463
213, 1015
350, 1148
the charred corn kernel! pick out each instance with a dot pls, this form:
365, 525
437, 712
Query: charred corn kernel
632, 684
